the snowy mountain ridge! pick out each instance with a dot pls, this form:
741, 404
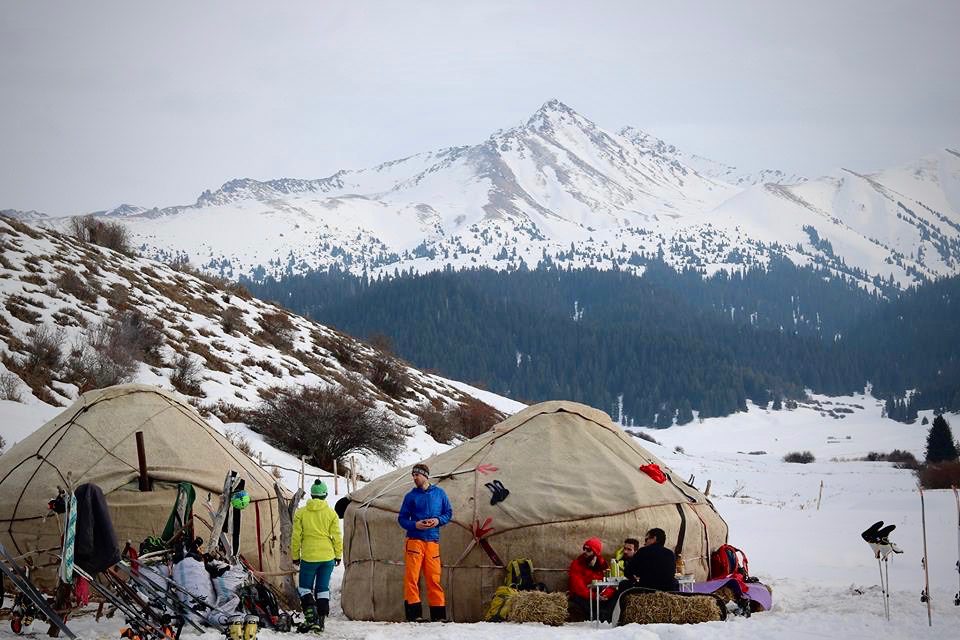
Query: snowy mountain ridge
560, 187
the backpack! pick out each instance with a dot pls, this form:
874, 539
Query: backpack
726, 561
500, 604
520, 576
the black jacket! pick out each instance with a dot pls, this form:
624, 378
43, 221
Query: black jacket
654, 567
95, 545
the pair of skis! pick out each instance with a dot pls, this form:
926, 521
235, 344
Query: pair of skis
18, 577
925, 594
226, 519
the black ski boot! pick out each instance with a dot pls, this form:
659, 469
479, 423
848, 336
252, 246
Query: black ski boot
413, 611
438, 614
310, 615
323, 610
870, 535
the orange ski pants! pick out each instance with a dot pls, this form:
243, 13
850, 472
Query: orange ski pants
426, 555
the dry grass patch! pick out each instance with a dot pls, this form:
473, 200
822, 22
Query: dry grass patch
19, 308
69, 282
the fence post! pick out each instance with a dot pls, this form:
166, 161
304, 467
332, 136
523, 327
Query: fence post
706, 492
820, 495
303, 462
353, 472
336, 478
260, 458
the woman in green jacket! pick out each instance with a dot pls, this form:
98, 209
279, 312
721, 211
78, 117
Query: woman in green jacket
316, 547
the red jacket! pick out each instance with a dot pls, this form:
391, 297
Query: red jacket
582, 574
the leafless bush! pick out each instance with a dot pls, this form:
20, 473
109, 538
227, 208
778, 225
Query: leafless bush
646, 436
278, 329
469, 419
10, 387
231, 320
236, 439
324, 425
678, 449
70, 282
43, 349
186, 377
940, 475
112, 235
113, 351
800, 457
3, 444
901, 459
386, 372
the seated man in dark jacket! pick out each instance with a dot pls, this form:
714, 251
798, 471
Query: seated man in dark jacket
653, 565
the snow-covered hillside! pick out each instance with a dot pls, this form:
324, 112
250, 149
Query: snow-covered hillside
824, 578
559, 186
66, 307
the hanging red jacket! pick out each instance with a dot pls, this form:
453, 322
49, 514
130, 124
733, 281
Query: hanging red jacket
582, 573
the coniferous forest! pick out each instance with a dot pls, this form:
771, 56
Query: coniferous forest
662, 345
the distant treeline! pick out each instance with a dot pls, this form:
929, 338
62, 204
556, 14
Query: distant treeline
661, 345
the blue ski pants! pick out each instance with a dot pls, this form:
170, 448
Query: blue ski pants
315, 578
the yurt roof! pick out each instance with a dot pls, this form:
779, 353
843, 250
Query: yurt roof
561, 461
94, 440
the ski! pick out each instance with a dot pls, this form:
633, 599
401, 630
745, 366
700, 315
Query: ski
222, 514
15, 574
163, 593
925, 594
956, 497
201, 605
139, 621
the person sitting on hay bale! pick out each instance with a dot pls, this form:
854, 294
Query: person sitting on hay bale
585, 568
653, 565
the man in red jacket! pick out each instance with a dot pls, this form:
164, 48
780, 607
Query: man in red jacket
585, 568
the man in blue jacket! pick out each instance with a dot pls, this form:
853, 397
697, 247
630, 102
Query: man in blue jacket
425, 509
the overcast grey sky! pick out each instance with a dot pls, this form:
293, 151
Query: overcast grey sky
150, 103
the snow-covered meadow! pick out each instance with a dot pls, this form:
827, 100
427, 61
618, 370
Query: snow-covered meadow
825, 580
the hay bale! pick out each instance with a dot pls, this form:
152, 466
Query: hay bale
726, 594
659, 606
538, 606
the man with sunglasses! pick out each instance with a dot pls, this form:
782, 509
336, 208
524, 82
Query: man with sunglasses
585, 568
425, 509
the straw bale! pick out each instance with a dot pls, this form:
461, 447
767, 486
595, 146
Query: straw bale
539, 606
649, 608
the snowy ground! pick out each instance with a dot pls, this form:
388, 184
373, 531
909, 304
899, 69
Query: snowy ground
824, 578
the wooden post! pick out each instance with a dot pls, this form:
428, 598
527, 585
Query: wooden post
260, 458
303, 462
353, 472
336, 478
706, 491
820, 495
142, 461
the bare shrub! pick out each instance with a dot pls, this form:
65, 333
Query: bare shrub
324, 425
232, 320
940, 475
3, 444
186, 377
646, 436
236, 439
901, 459
278, 329
469, 419
386, 372
70, 282
109, 234
678, 449
10, 387
801, 457
43, 348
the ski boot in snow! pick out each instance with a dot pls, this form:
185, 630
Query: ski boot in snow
438, 614
413, 612
310, 615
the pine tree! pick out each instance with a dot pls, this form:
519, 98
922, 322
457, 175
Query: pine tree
940, 444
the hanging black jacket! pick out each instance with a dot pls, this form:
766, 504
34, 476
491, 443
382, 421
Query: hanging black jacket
95, 546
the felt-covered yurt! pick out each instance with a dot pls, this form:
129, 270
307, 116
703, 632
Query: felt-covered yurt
94, 440
571, 474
